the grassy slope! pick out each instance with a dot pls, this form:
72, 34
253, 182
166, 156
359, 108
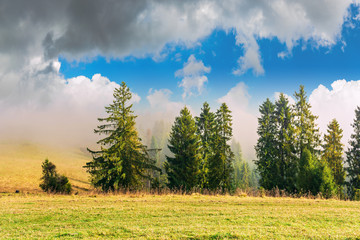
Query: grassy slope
176, 217
20, 165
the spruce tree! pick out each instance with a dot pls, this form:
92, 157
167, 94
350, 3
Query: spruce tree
315, 176
353, 157
306, 132
183, 169
332, 153
285, 144
52, 182
308, 179
123, 161
221, 169
205, 129
267, 162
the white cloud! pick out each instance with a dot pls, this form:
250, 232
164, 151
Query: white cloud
338, 102
81, 30
64, 115
193, 76
244, 121
160, 101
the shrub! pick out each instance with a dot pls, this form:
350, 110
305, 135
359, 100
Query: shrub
52, 181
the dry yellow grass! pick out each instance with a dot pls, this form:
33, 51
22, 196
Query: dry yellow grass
20, 165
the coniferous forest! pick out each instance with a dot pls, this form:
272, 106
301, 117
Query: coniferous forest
201, 155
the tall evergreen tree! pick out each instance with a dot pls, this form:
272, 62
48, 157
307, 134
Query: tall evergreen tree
205, 129
221, 169
285, 144
267, 162
123, 161
333, 151
353, 157
183, 168
306, 132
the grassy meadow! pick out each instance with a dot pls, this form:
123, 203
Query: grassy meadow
36, 215
176, 217
20, 165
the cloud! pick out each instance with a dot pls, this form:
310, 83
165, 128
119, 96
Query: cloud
35, 34
193, 76
83, 29
64, 115
340, 102
244, 121
160, 100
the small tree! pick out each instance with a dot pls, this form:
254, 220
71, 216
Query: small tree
315, 176
52, 181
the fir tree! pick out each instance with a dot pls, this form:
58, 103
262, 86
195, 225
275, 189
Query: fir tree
123, 161
221, 169
333, 151
53, 182
183, 168
353, 157
285, 144
205, 129
315, 176
307, 179
306, 132
266, 148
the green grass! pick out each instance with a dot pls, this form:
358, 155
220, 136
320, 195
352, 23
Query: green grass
176, 217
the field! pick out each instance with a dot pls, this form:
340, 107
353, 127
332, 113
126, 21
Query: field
176, 217
36, 215
20, 165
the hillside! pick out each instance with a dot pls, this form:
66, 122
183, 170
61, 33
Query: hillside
20, 165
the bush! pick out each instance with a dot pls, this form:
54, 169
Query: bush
52, 181
357, 195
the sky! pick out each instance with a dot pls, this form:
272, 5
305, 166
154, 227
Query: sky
61, 60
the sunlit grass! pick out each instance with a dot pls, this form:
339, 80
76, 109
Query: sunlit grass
176, 217
20, 165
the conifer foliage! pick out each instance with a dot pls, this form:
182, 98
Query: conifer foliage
353, 158
266, 151
53, 182
306, 132
288, 149
183, 168
123, 161
220, 164
205, 129
332, 153
285, 133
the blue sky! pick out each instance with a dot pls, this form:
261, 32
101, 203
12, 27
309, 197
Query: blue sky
307, 64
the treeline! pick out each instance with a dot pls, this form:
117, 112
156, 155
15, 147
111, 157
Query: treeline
291, 153
199, 155
292, 156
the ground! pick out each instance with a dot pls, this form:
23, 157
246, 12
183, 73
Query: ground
36, 215
142, 216
20, 165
